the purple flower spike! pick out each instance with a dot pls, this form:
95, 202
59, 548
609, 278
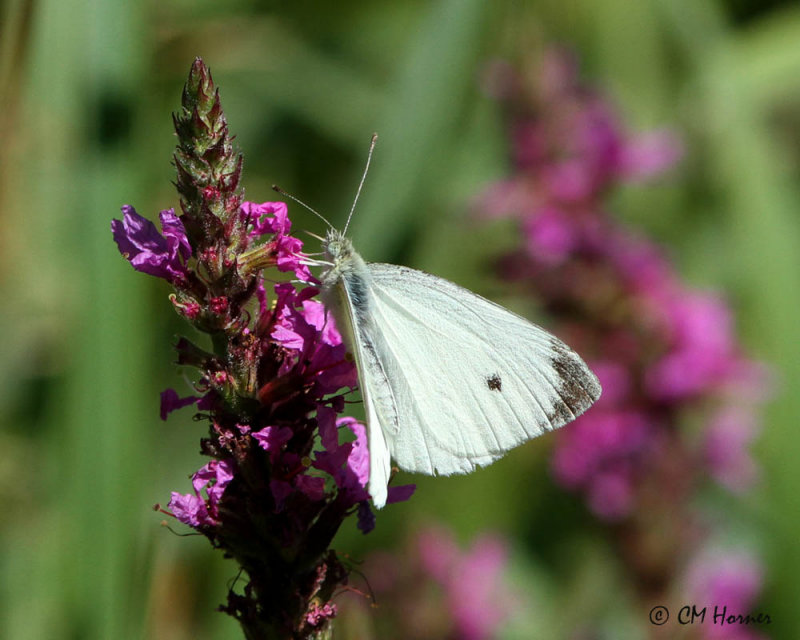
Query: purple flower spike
163, 255
270, 386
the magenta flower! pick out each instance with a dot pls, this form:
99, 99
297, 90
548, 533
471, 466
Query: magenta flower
171, 401
551, 235
650, 155
193, 509
729, 581
433, 588
478, 600
272, 218
313, 347
348, 464
267, 218
272, 439
298, 366
317, 616
477, 596
726, 448
312, 357
600, 456
163, 255
701, 347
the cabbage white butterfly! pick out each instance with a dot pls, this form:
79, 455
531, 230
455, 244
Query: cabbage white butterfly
450, 381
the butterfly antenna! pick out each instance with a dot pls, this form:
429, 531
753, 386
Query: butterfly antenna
275, 187
314, 235
363, 178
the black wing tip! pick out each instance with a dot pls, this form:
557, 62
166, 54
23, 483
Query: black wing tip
579, 388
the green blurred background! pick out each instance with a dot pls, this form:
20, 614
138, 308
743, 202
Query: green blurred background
87, 92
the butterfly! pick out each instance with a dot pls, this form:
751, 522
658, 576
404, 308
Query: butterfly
450, 380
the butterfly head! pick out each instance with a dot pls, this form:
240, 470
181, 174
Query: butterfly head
337, 248
343, 261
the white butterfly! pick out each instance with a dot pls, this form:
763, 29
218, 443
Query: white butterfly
450, 381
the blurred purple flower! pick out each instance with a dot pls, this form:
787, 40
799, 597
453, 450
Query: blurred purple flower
551, 235
641, 266
663, 351
637, 319
650, 155
615, 379
433, 588
726, 446
730, 579
438, 552
701, 353
478, 598
611, 493
599, 454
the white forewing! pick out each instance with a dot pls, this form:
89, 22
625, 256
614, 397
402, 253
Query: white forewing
470, 379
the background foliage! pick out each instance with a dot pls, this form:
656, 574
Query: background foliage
87, 89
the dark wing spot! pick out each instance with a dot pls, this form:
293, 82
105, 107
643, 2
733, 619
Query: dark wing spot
494, 382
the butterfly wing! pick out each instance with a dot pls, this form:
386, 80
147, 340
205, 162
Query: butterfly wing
343, 299
455, 380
